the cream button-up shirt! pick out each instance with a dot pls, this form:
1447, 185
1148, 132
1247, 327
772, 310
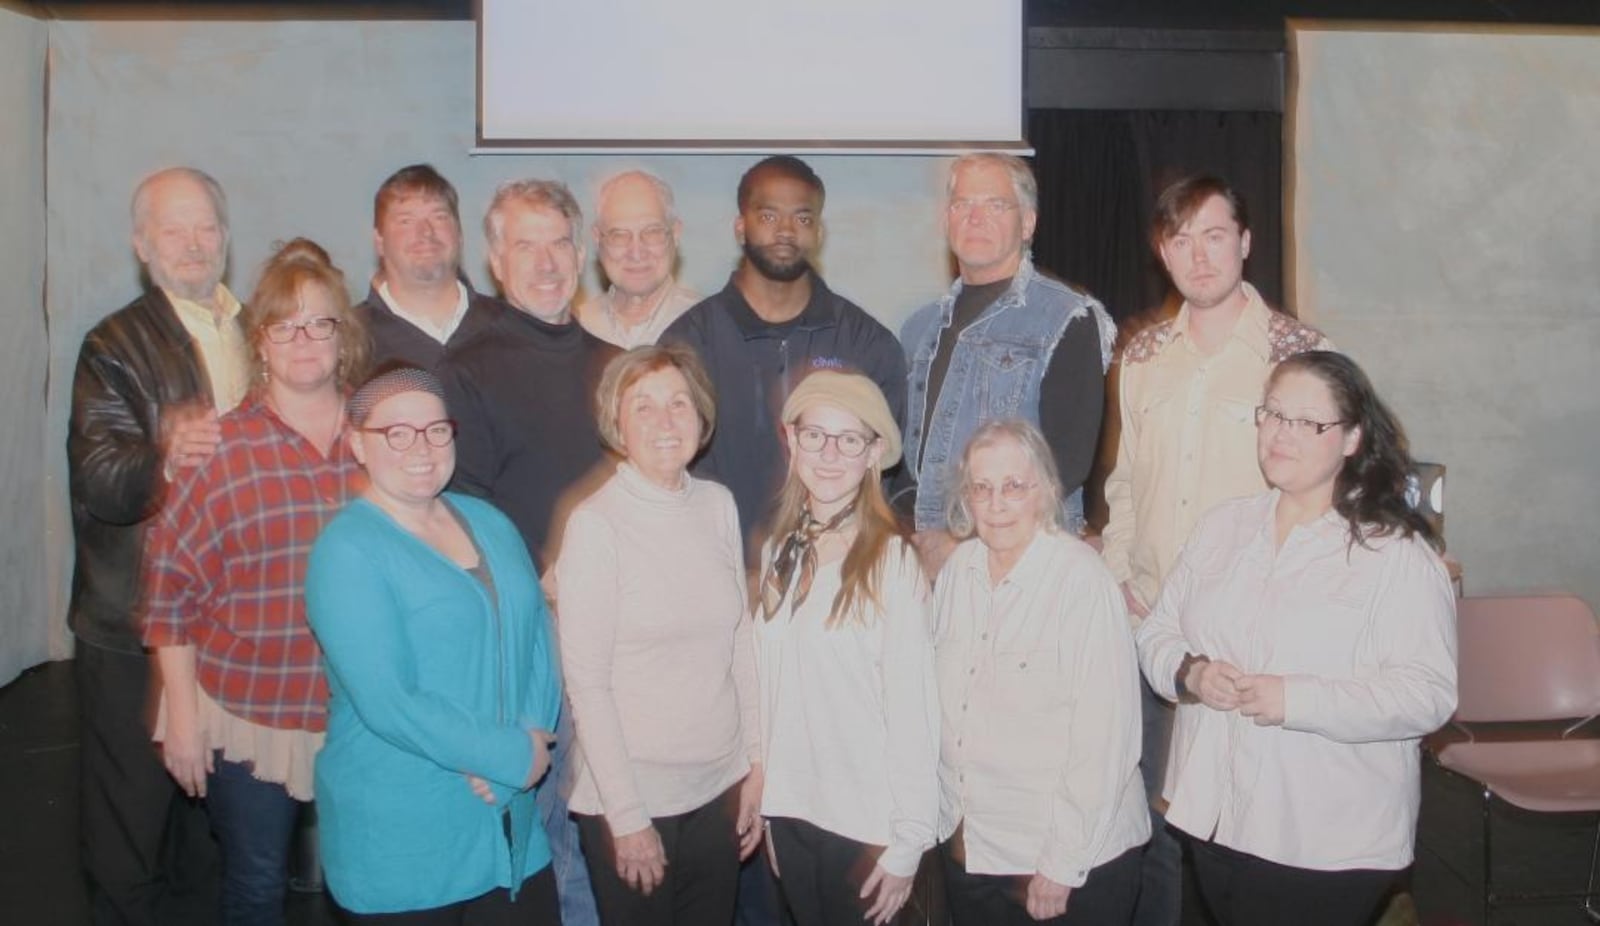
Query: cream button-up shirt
1365, 639
599, 317
1188, 434
224, 352
1039, 695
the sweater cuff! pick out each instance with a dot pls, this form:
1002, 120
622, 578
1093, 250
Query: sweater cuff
627, 821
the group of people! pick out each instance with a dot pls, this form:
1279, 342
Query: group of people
660, 609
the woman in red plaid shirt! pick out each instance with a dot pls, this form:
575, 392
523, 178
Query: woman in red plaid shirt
243, 695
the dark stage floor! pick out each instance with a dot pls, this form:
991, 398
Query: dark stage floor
40, 885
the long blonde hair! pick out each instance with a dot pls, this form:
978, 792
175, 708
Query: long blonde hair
862, 570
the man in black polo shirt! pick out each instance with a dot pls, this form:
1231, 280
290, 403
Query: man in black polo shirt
772, 324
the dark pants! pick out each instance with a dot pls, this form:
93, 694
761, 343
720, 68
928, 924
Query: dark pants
148, 855
820, 873
1244, 890
702, 849
1161, 878
254, 824
535, 905
1107, 898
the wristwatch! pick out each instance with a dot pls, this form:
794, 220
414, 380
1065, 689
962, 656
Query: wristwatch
1190, 660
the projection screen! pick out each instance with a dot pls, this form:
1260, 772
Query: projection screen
742, 75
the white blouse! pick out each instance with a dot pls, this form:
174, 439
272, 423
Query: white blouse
1365, 638
1039, 691
850, 715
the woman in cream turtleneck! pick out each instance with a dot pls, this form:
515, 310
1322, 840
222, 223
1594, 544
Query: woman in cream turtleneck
656, 649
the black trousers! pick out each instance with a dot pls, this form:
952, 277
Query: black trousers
536, 904
702, 878
1244, 890
820, 873
1107, 898
148, 855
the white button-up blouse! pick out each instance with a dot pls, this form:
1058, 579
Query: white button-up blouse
1364, 636
1039, 699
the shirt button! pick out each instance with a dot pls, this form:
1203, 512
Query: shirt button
986, 636
972, 671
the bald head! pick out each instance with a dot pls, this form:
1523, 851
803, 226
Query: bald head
636, 230
180, 231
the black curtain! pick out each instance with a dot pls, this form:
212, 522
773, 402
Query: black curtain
1100, 172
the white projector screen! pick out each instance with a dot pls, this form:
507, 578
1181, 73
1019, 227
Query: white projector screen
750, 74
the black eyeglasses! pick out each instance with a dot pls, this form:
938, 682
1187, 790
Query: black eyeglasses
401, 437
850, 444
316, 329
1295, 425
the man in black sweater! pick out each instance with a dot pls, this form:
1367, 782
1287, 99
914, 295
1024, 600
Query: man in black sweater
420, 307
772, 324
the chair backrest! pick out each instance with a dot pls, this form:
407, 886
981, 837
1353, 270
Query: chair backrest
1524, 658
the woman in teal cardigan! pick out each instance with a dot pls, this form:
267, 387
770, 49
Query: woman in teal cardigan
443, 680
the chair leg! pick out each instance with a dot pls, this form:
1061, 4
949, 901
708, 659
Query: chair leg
1588, 890
1488, 870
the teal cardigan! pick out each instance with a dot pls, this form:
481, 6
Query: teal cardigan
428, 681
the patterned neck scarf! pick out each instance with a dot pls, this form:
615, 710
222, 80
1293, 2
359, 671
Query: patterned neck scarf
799, 550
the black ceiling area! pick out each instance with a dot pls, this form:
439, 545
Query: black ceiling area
1141, 14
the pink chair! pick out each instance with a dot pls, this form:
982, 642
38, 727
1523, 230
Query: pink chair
1524, 660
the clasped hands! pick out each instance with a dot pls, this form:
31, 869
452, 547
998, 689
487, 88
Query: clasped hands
1222, 686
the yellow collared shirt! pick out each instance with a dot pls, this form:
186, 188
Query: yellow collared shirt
223, 351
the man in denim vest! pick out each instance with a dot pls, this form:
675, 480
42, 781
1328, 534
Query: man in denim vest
1004, 342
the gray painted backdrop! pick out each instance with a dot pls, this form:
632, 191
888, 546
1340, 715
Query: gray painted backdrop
301, 121
1447, 202
23, 592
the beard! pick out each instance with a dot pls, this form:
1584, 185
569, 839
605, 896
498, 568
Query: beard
774, 270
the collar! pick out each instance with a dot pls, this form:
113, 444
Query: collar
1251, 330
608, 307
636, 485
195, 312
569, 333
440, 333
821, 311
1034, 562
1016, 294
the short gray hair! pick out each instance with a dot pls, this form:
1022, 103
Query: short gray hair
1022, 179
140, 206
669, 205
536, 194
958, 513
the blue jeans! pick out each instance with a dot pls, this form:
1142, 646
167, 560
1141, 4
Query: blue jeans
254, 825
566, 856
1161, 882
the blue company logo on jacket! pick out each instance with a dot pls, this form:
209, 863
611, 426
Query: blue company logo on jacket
995, 372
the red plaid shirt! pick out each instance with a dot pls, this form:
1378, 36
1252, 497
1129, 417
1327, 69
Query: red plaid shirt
226, 562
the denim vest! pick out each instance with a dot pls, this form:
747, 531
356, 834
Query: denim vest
995, 372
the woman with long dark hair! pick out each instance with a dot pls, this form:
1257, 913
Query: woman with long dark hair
1308, 636
844, 653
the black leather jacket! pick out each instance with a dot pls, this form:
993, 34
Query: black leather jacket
131, 365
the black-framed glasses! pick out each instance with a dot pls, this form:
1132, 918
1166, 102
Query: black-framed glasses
850, 444
401, 437
653, 237
1294, 425
320, 328
980, 493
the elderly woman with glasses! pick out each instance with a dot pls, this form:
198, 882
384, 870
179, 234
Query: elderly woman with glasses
243, 694
1308, 636
444, 683
1043, 814
655, 644
849, 713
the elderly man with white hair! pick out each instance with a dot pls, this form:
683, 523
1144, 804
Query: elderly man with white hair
151, 380
636, 232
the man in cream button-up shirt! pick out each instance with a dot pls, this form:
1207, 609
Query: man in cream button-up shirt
1189, 388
